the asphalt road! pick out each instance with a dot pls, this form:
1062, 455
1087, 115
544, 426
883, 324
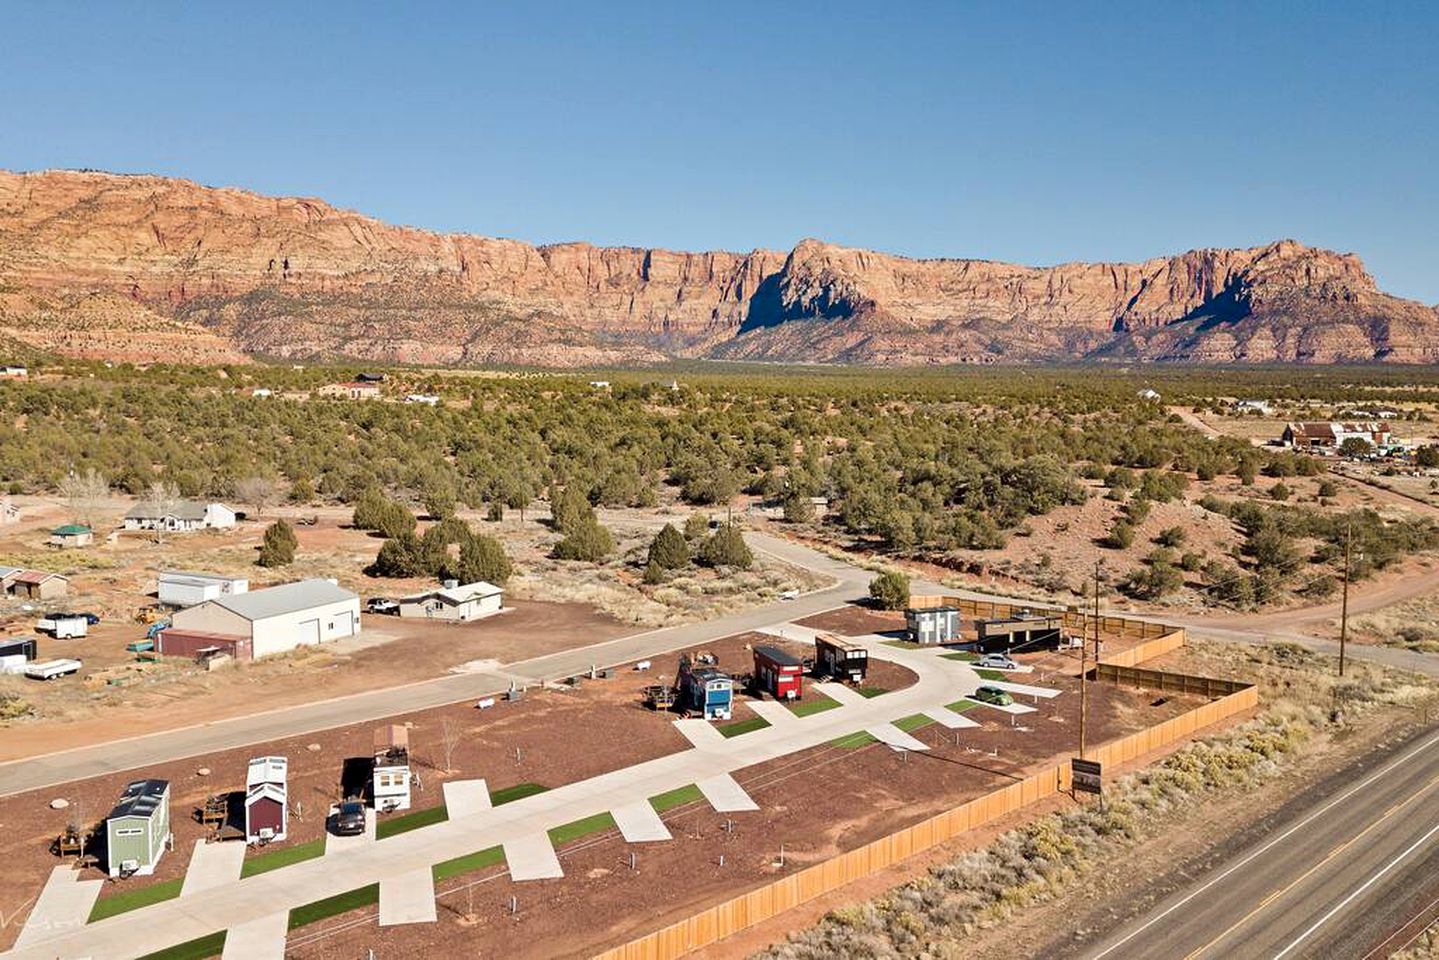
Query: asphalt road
33, 773
1352, 874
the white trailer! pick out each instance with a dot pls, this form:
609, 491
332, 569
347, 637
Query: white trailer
50, 669
64, 628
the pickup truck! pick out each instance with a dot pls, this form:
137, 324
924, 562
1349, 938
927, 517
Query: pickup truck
63, 628
50, 669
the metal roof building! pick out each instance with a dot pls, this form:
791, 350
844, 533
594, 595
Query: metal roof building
277, 619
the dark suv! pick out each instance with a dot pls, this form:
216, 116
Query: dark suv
350, 819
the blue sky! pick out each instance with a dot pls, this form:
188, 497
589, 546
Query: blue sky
1035, 133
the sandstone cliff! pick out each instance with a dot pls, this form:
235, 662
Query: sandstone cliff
139, 267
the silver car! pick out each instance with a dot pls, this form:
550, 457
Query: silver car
996, 661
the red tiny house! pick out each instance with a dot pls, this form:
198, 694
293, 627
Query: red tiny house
779, 674
266, 789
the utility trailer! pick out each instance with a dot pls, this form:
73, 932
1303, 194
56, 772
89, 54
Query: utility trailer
64, 628
50, 669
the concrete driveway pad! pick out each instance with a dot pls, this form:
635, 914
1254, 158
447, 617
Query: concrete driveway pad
259, 939
64, 904
701, 733
889, 734
639, 823
532, 858
948, 718
408, 898
464, 797
841, 694
213, 865
775, 712
725, 795
337, 844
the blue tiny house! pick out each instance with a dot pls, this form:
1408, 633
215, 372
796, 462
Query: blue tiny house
707, 691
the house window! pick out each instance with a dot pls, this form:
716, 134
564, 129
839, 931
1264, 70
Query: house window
129, 832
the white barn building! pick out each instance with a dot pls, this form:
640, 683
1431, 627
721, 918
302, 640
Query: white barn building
185, 588
183, 516
276, 619
454, 602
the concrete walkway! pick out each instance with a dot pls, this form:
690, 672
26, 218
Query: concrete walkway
464, 797
64, 905
639, 823
532, 857
408, 898
260, 939
725, 795
213, 865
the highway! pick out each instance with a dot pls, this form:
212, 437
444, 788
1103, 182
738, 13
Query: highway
1351, 874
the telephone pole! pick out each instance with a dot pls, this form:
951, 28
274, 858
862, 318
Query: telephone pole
1344, 601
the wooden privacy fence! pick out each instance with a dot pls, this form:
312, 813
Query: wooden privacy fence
1147, 650
757, 906
1166, 682
1074, 619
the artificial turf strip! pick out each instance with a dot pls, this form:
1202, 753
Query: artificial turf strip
991, 674
411, 821
850, 740
818, 704
282, 857
913, 722
871, 692
902, 644
519, 791
479, 860
959, 706
197, 949
677, 797
135, 898
742, 726
964, 655
334, 906
595, 823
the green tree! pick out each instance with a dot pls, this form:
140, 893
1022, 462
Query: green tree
277, 549
483, 558
726, 548
440, 500
668, 549
697, 525
890, 590
587, 540
1356, 447
302, 490
1427, 456
369, 510
798, 509
569, 508
401, 556
396, 519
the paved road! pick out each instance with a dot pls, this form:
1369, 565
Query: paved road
1339, 877
36, 772
250, 900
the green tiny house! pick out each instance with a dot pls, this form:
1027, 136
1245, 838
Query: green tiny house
138, 829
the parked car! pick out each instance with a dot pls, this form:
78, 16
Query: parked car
350, 819
993, 696
996, 661
382, 605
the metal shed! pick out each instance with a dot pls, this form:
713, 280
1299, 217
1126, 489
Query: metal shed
137, 832
266, 800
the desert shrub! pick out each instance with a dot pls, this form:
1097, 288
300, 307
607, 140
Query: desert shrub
890, 590
1120, 536
1171, 537
726, 548
668, 550
483, 558
586, 540
277, 548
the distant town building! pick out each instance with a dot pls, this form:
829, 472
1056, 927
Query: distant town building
425, 398
1148, 394
13, 370
1253, 406
357, 390
1330, 435
71, 535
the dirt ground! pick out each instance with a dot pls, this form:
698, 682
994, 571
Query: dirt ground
814, 804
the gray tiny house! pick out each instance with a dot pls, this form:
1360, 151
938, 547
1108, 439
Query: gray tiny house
138, 829
932, 626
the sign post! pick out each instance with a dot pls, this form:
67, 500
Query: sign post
1086, 776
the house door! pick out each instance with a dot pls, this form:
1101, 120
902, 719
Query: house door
309, 631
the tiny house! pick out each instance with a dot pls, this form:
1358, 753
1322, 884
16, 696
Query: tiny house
932, 626
266, 801
391, 775
839, 658
707, 691
137, 831
777, 673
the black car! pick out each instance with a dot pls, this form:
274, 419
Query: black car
350, 819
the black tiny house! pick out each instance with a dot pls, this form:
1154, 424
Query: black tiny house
842, 659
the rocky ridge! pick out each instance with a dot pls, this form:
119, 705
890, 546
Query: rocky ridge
142, 267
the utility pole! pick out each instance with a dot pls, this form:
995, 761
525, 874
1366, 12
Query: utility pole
1344, 601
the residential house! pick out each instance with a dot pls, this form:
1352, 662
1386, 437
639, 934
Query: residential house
355, 390
1330, 435
14, 370
428, 399
34, 584
71, 535
1253, 406
264, 622
369, 378
182, 516
454, 602
137, 832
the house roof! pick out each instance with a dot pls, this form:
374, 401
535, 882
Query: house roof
35, 576
70, 530
194, 575
141, 798
181, 510
777, 656
286, 598
461, 594
7, 572
266, 770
